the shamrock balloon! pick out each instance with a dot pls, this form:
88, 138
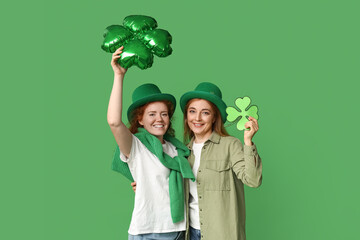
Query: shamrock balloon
140, 39
234, 114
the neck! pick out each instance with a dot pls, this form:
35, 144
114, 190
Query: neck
161, 138
200, 138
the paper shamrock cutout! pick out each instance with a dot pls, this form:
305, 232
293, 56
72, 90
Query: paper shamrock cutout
140, 39
234, 114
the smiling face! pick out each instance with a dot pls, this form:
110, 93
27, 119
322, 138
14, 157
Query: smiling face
200, 117
156, 119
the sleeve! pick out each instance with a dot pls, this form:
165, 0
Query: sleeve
136, 148
120, 161
246, 163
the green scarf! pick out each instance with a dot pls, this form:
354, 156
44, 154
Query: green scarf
179, 168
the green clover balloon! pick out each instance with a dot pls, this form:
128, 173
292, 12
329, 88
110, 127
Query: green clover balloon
242, 112
140, 39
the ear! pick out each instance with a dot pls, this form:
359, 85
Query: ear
141, 122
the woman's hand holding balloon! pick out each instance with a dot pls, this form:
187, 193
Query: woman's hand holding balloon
249, 134
118, 70
141, 39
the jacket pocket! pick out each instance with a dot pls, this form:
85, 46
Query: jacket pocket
217, 175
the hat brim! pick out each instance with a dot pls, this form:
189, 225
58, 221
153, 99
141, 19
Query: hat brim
219, 103
148, 99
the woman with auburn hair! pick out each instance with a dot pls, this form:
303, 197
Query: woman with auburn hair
152, 156
221, 165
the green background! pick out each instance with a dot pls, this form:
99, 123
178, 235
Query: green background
297, 60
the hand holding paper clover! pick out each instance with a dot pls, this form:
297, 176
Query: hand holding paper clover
241, 112
253, 127
140, 39
246, 117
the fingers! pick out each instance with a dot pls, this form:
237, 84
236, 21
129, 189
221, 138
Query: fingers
251, 119
117, 54
252, 125
133, 184
118, 51
249, 125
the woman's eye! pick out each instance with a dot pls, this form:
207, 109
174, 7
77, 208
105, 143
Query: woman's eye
152, 114
164, 114
206, 113
191, 111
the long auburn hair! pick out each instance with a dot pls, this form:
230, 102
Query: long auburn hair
217, 126
138, 113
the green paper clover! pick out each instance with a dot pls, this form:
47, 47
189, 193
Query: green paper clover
140, 39
242, 112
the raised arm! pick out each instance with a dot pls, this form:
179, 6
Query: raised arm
121, 133
246, 162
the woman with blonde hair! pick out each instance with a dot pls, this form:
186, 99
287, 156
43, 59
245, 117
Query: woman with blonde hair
221, 165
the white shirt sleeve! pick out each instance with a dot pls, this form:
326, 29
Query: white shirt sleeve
136, 148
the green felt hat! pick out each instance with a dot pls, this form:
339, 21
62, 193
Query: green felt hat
207, 91
148, 93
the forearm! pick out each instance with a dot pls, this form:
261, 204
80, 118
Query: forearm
121, 133
246, 164
253, 166
114, 114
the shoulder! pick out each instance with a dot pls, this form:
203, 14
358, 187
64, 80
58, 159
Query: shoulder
229, 140
137, 146
230, 144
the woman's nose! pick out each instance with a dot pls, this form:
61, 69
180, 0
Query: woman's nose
159, 118
198, 116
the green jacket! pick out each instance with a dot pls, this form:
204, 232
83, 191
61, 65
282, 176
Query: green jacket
225, 166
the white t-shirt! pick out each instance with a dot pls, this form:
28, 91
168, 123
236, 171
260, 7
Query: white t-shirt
151, 212
193, 199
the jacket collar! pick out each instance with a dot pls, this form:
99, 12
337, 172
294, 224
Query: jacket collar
214, 138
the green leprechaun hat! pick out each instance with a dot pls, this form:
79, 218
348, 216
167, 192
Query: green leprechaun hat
207, 91
148, 93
